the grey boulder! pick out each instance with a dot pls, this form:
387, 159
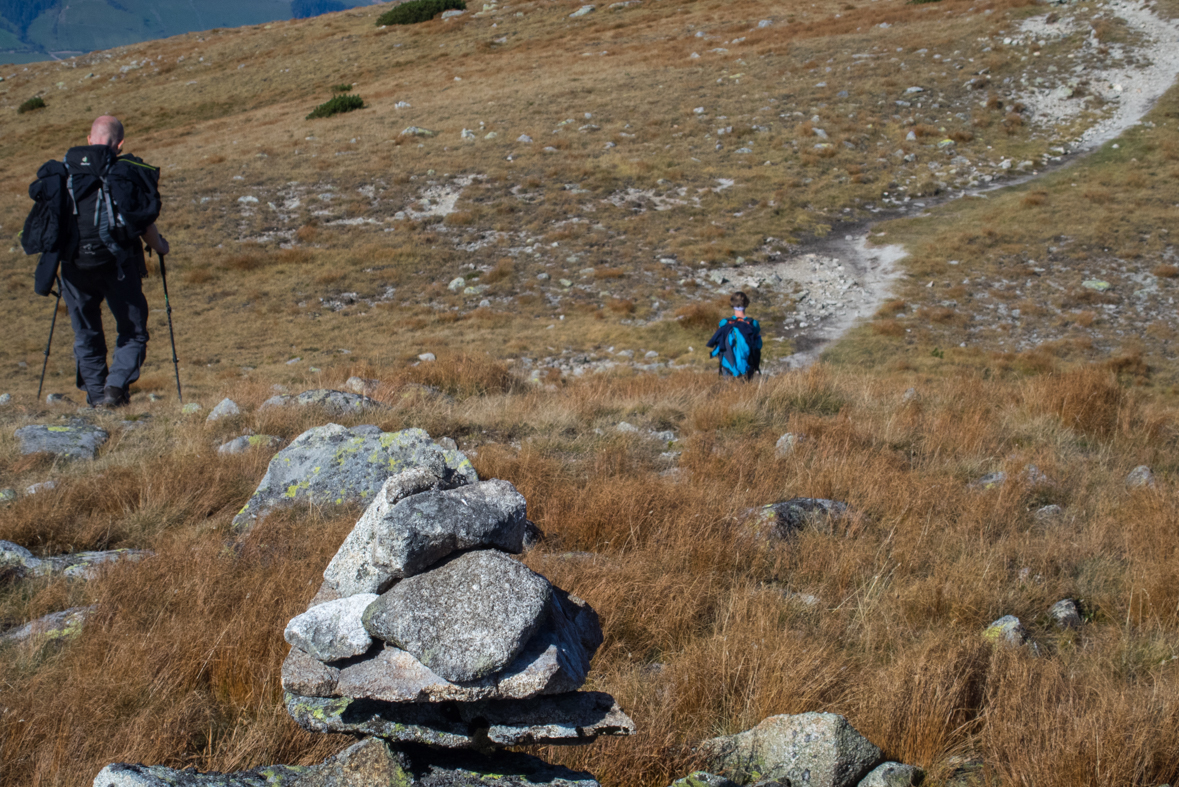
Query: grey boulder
405, 530
1138, 478
332, 631
466, 619
333, 464
816, 749
226, 408
555, 661
337, 402
574, 718
19, 563
54, 627
239, 445
893, 774
76, 441
365, 764
787, 517
704, 779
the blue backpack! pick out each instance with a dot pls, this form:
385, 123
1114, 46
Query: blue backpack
738, 343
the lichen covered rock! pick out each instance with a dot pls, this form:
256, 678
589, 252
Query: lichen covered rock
334, 465
75, 441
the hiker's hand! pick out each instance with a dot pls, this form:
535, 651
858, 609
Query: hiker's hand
155, 240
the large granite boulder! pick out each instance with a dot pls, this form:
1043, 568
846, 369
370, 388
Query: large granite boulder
76, 441
332, 631
407, 529
578, 717
334, 465
555, 661
466, 619
816, 749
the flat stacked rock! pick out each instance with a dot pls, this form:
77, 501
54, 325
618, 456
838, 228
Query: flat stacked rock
427, 630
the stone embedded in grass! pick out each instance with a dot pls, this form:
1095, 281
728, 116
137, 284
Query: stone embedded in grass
893, 774
19, 563
816, 749
337, 402
456, 284
1066, 614
278, 400
368, 762
465, 619
990, 481
63, 625
77, 441
190, 408
417, 131
56, 398
1006, 630
789, 516
786, 444
336, 465
1140, 477
332, 631
5, 398
239, 445
704, 779
226, 408
1048, 512
584, 10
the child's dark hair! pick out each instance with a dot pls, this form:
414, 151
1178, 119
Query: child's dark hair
739, 300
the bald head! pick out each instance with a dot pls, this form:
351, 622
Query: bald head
106, 130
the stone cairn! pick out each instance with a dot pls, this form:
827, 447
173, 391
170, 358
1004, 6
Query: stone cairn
436, 648
426, 630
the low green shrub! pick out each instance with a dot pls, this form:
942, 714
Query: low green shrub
343, 87
418, 11
337, 104
36, 102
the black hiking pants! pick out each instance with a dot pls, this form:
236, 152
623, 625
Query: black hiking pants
84, 292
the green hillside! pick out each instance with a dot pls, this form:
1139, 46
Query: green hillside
34, 30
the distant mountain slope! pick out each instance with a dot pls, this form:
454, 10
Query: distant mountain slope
34, 29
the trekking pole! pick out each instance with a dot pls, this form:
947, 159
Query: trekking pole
171, 334
48, 344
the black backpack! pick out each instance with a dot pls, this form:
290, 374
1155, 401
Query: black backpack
91, 207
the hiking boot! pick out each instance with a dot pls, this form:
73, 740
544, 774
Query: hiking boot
113, 396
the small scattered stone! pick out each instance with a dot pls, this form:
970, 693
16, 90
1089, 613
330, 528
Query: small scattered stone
56, 398
44, 486
585, 9
190, 408
226, 408
5, 399
417, 131
1050, 511
1140, 477
361, 385
786, 444
239, 445
278, 400
7, 495
1007, 630
1095, 284
910, 395
785, 518
1066, 614
456, 284
427, 357
893, 774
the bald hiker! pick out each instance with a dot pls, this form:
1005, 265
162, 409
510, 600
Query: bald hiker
93, 213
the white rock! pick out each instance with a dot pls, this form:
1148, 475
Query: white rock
333, 630
224, 409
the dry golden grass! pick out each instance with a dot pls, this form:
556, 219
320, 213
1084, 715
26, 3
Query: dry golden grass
709, 627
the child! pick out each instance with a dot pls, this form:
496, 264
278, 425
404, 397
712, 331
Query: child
737, 341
